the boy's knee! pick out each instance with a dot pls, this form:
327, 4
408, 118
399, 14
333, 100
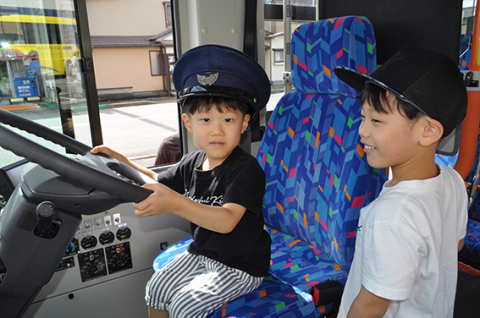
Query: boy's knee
155, 295
155, 313
180, 305
186, 304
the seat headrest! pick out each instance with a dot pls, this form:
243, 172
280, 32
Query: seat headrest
318, 47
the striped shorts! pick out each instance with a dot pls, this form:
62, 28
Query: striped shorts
194, 286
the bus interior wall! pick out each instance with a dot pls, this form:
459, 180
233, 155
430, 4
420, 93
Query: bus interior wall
432, 24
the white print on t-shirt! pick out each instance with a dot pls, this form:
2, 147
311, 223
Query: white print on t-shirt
213, 200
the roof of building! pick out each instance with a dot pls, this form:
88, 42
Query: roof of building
164, 37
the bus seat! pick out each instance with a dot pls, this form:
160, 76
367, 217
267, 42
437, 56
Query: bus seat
471, 250
470, 254
465, 52
317, 176
446, 161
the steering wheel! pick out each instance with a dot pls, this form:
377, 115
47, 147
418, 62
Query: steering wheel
96, 171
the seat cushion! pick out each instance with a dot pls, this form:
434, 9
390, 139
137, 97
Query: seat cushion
300, 264
273, 298
167, 255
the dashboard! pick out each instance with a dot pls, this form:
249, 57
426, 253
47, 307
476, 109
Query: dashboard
107, 264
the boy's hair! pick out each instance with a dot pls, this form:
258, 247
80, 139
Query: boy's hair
377, 97
192, 105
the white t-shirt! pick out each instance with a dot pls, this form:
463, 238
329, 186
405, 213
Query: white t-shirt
407, 244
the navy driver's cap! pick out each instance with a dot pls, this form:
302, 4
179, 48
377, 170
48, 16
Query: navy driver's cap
427, 80
220, 71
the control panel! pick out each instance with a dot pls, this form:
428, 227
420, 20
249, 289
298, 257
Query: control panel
107, 265
101, 246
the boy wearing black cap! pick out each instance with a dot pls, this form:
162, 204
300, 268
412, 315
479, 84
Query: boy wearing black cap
219, 188
405, 262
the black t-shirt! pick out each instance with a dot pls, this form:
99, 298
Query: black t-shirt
241, 180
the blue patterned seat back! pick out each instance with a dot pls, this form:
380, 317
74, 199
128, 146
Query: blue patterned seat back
317, 175
446, 161
317, 48
474, 210
465, 52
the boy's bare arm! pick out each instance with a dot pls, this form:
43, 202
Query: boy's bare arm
112, 153
368, 305
460, 244
221, 219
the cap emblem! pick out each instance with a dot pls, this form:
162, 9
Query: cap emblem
207, 80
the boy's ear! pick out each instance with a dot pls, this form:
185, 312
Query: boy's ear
186, 121
246, 119
432, 131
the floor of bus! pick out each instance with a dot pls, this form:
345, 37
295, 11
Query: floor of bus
467, 302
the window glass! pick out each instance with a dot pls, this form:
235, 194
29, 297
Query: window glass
278, 56
274, 39
131, 46
40, 75
168, 14
155, 63
42, 72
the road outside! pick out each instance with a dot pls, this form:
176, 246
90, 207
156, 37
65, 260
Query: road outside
133, 128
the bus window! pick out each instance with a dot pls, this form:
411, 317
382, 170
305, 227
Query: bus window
40, 72
40, 45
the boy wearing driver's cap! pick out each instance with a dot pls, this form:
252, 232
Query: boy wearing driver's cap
219, 188
405, 262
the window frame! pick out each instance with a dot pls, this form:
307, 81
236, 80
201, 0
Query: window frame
168, 14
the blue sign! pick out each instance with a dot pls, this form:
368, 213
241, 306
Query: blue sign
25, 84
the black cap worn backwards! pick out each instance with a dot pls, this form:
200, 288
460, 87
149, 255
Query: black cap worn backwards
428, 80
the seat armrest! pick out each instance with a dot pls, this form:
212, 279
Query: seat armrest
327, 292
